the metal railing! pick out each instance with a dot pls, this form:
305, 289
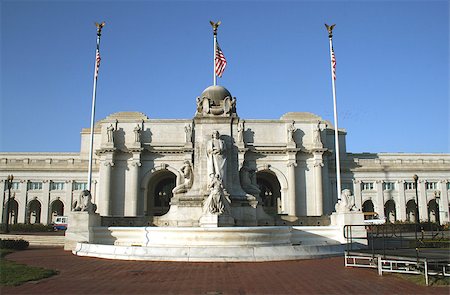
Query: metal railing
400, 248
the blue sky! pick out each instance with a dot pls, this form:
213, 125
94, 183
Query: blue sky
392, 66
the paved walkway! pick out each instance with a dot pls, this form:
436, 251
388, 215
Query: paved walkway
84, 275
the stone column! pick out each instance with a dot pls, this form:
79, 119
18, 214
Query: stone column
4, 198
133, 187
291, 189
423, 204
379, 204
400, 206
105, 188
67, 201
45, 204
402, 194
318, 164
23, 204
443, 203
356, 193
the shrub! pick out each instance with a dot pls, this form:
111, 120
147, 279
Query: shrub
13, 244
36, 227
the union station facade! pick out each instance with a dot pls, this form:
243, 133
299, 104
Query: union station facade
289, 162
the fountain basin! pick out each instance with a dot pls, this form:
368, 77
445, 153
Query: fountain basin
264, 243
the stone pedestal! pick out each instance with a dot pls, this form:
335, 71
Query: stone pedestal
347, 218
80, 228
357, 232
213, 220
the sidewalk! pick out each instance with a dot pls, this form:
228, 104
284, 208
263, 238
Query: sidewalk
84, 275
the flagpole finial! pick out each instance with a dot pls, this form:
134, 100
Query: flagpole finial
215, 26
330, 30
99, 28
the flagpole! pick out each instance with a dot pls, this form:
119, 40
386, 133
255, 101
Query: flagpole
336, 128
215, 26
214, 63
94, 94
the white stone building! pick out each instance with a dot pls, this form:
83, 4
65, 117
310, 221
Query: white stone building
138, 162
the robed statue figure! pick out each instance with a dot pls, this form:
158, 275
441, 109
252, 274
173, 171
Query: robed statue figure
217, 160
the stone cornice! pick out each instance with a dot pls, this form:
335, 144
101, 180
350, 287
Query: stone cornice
273, 149
134, 150
105, 150
44, 163
318, 150
399, 162
167, 149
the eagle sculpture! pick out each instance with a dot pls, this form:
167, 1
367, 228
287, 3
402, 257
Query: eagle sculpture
215, 25
330, 29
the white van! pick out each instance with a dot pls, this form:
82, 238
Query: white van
60, 223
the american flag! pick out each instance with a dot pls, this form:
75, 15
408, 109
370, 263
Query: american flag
333, 62
220, 61
97, 62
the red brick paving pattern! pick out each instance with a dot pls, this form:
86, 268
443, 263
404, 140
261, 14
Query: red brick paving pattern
83, 275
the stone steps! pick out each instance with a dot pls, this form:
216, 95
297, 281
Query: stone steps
36, 240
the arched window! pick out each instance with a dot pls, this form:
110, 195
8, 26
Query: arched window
389, 211
57, 209
13, 211
368, 206
160, 192
270, 192
433, 211
34, 212
368, 209
411, 211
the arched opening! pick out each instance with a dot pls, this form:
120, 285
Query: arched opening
270, 191
411, 211
13, 211
433, 211
160, 189
57, 209
368, 209
389, 211
34, 212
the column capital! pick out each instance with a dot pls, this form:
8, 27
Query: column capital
136, 163
292, 164
318, 164
267, 166
108, 163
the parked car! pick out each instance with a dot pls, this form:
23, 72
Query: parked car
373, 218
60, 223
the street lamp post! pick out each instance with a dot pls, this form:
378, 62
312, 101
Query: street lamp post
8, 184
416, 178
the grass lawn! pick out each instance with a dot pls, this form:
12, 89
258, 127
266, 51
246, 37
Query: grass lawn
14, 274
420, 279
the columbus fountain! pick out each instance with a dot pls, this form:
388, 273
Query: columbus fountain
216, 213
